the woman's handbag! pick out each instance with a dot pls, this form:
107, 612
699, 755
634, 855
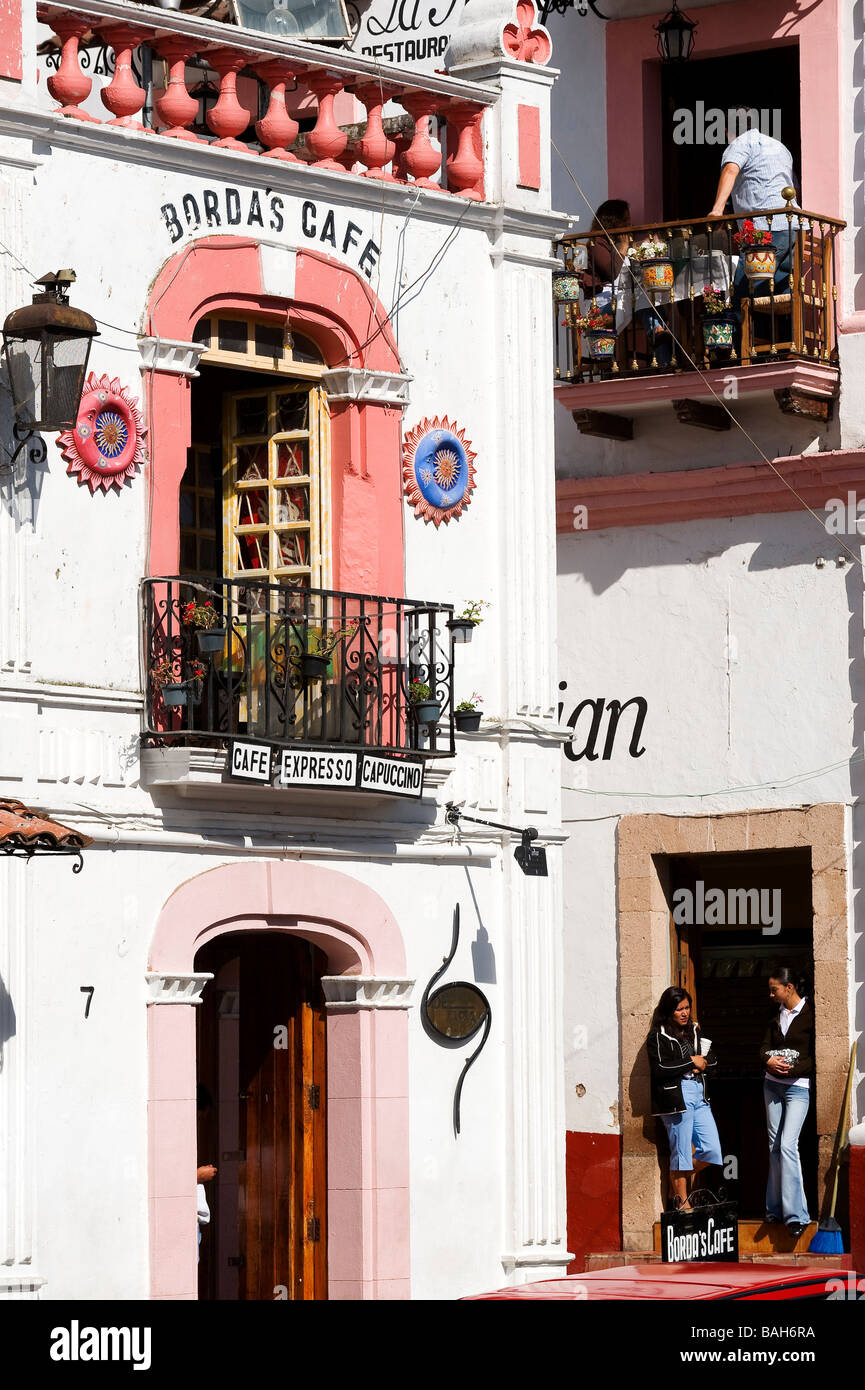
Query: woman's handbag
707, 1233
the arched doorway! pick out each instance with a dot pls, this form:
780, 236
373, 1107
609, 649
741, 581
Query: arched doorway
261, 1103
366, 998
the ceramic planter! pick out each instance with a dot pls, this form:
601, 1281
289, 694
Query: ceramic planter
657, 275
210, 640
566, 287
467, 721
717, 331
314, 667
427, 711
760, 261
601, 341
174, 694
462, 628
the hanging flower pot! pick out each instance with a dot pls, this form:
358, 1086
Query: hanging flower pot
657, 275
717, 331
467, 721
760, 261
314, 667
566, 287
427, 711
211, 640
462, 628
601, 342
174, 694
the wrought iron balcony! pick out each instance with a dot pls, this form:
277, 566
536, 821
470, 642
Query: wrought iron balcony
653, 316
232, 659
202, 81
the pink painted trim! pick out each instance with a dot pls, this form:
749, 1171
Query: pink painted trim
529, 146
633, 87
338, 310
695, 494
10, 40
636, 391
368, 1153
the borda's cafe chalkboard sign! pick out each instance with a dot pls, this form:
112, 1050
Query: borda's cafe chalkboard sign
707, 1235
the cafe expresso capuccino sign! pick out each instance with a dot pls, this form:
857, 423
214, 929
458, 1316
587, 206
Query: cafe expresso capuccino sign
327, 768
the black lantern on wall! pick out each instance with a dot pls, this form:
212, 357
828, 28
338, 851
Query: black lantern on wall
47, 345
675, 35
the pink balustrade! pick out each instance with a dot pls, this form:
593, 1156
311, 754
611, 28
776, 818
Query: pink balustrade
415, 158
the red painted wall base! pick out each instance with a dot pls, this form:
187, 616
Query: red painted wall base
857, 1207
594, 1194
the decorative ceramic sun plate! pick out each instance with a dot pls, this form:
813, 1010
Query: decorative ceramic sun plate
438, 469
106, 445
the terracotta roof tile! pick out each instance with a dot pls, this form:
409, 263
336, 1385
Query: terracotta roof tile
25, 830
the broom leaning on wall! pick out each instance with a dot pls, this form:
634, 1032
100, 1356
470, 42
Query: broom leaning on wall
828, 1239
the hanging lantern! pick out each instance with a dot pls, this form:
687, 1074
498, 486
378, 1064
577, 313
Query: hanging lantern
47, 345
675, 36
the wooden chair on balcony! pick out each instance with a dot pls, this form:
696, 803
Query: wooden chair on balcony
802, 308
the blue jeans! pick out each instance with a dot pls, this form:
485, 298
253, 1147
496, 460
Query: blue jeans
783, 241
695, 1129
786, 1108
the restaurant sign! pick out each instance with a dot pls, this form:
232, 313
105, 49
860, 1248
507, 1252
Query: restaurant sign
708, 1234
326, 767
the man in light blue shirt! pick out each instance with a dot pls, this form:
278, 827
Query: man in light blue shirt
754, 170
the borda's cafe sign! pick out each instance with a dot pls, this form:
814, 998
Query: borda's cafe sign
330, 768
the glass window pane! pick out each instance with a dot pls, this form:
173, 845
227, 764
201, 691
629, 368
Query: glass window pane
292, 548
201, 332
207, 553
251, 415
252, 507
187, 509
291, 459
251, 462
232, 335
207, 512
291, 504
187, 552
292, 412
305, 350
268, 340
253, 552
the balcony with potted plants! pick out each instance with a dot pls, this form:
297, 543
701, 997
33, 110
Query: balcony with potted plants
671, 328
290, 668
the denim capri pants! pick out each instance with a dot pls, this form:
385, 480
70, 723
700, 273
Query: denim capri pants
695, 1129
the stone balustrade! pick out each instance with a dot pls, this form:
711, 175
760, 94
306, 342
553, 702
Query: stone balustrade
295, 82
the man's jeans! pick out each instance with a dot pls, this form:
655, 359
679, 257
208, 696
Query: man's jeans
783, 241
786, 1108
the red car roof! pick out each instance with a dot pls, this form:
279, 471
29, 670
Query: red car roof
668, 1281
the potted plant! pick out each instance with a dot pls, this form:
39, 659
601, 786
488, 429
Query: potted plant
321, 645
427, 709
599, 328
463, 624
204, 620
194, 681
173, 691
717, 322
755, 246
653, 258
467, 716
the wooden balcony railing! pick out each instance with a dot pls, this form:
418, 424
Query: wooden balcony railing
183, 78
654, 317
294, 666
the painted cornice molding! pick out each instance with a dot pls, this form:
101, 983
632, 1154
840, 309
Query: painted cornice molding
367, 387
695, 494
170, 355
343, 992
168, 987
639, 392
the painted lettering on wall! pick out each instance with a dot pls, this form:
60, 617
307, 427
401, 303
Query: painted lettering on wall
587, 721
226, 208
413, 33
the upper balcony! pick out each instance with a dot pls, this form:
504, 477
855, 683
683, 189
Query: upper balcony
659, 338
300, 671
140, 69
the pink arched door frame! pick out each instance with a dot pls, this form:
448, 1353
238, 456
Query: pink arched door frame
367, 1071
338, 310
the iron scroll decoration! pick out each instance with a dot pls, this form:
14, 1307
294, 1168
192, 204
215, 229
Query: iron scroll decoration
454, 1014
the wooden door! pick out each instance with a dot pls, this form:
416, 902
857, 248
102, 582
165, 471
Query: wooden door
281, 1206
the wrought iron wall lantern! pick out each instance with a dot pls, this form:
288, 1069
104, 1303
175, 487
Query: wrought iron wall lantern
675, 35
46, 345
531, 858
455, 1013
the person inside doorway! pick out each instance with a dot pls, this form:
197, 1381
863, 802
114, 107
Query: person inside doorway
606, 258
680, 1059
755, 168
788, 1053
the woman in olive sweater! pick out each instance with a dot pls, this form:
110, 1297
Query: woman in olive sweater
787, 1051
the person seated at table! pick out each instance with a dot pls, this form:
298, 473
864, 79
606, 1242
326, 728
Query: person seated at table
754, 170
606, 255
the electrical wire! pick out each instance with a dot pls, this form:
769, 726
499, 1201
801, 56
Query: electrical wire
791, 781
719, 399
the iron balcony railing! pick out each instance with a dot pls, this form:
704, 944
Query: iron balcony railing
183, 77
617, 315
293, 666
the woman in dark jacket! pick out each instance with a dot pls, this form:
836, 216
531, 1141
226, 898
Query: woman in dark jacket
787, 1052
680, 1090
